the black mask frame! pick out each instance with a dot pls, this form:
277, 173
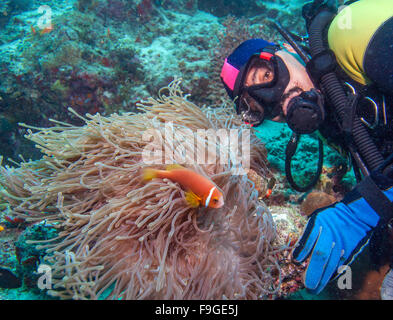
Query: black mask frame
267, 95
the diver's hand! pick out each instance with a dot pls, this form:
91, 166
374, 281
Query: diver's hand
334, 236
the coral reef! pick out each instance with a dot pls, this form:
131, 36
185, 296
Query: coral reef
316, 200
289, 224
290, 12
121, 238
222, 8
8, 280
4, 12
8, 7
28, 256
7, 249
135, 47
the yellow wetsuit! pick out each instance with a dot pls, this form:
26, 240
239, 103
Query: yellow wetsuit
352, 30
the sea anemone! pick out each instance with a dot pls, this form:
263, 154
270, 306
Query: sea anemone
123, 238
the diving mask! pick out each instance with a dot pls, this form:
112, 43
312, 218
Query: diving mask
262, 100
305, 112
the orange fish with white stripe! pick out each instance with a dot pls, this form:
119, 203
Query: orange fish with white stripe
199, 189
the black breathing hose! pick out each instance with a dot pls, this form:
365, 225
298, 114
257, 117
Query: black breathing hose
366, 148
293, 142
289, 37
290, 152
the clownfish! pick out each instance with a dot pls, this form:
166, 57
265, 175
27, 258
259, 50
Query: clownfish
270, 187
199, 189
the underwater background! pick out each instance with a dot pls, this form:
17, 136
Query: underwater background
106, 56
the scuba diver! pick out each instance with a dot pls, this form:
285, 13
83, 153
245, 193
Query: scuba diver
338, 83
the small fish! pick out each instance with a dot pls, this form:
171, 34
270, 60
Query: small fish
1, 228
270, 186
199, 189
268, 193
14, 220
46, 30
8, 280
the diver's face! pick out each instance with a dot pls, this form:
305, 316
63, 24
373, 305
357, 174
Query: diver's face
299, 80
259, 75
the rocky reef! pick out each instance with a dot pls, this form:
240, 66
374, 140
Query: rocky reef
105, 56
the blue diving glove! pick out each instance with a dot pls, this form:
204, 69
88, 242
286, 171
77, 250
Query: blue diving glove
336, 234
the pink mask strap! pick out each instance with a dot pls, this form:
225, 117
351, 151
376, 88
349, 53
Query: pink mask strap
229, 74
